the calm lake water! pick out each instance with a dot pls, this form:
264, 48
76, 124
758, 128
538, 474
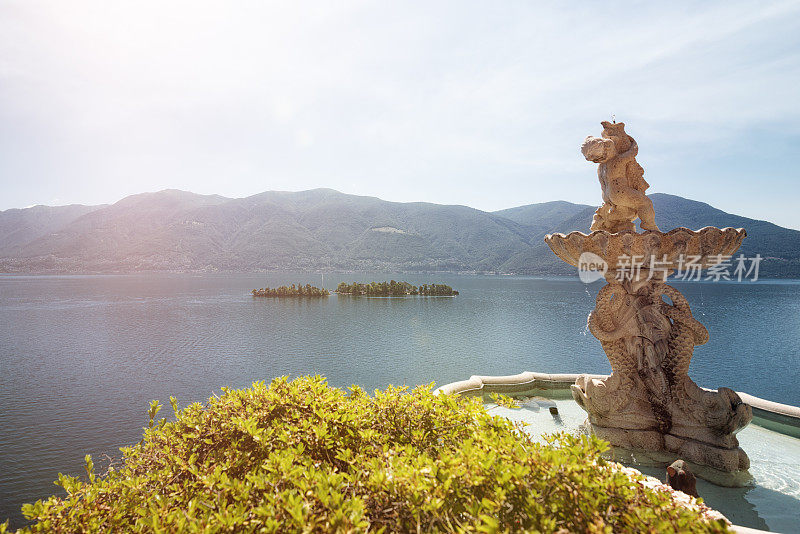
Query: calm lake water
82, 356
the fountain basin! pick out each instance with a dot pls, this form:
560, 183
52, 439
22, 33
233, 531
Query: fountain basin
672, 249
767, 499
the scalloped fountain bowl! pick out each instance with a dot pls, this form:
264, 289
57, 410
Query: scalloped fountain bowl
704, 246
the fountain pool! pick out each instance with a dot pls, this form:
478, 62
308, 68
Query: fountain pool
769, 501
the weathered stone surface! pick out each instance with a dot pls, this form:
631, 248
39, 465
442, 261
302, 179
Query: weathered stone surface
621, 181
704, 246
646, 327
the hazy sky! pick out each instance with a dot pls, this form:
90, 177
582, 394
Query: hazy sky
477, 103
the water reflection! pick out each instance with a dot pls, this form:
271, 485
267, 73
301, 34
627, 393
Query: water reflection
82, 356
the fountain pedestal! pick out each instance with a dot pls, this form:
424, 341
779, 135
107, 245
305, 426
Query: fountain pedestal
645, 326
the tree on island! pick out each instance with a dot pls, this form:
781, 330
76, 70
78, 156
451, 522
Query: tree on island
394, 289
295, 291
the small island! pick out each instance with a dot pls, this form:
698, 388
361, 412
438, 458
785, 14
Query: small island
298, 290
395, 289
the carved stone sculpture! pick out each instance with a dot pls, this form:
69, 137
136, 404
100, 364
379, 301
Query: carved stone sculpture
681, 478
621, 181
646, 327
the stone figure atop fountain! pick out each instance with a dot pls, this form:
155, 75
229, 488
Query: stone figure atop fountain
621, 181
645, 326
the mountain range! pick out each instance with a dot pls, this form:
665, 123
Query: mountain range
323, 229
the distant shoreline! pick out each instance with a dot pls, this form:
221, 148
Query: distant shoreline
761, 279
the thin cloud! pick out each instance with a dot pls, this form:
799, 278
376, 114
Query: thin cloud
454, 102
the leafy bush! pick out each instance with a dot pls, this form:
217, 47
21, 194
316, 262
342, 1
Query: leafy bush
302, 456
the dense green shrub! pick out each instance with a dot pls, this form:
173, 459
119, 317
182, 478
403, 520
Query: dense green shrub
302, 456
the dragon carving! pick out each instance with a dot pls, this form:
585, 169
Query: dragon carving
649, 335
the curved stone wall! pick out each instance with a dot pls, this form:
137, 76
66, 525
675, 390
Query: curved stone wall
782, 418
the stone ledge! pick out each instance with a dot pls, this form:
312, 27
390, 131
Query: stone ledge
511, 383
782, 418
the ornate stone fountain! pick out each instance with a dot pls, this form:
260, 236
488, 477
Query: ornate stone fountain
644, 325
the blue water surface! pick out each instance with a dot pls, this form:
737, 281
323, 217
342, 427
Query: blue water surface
82, 356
